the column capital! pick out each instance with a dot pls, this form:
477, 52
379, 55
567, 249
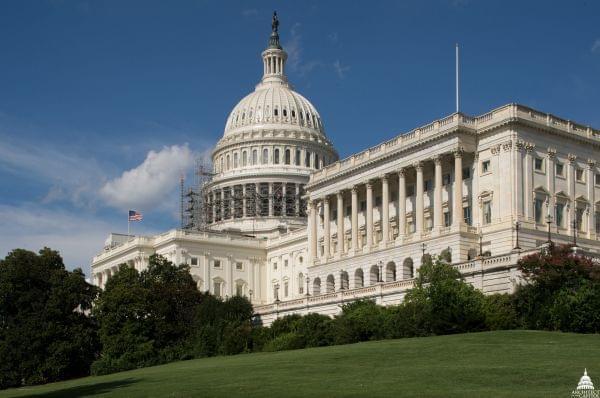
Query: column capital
418, 165
325, 199
401, 171
529, 147
385, 177
458, 152
354, 189
437, 160
551, 153
591, 163
572, 158
339, 194
369, 184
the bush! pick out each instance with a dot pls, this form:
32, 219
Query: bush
285, 324
285, 341
315, 329
360, 320
500, 312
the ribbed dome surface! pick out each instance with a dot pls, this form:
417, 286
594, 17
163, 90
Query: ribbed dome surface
274, 103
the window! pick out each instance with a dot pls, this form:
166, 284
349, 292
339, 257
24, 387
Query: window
485, 166
467, 215
447, 219
254, 157
487, 212
285, 263
235, 160
307, 159
597, 178
284, 112
194, 261
244, 159
288, 156
217, 264
293, 113
239, 265
239, 289
217, 288
560, 211
466, 171
538, 163
348, 210
446, 179
228, 163
559, 169
427, 185
286, 286
316, 161
274, 266
297, 158
276, 156
579, 214
276, 112
579, 175
265, 156
539, 205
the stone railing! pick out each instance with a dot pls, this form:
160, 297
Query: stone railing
400, 142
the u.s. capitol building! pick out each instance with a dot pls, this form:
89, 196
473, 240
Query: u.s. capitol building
295, 229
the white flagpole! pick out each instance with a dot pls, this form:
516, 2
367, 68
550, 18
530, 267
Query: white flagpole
457, 103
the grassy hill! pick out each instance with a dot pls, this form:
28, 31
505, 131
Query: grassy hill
494, 364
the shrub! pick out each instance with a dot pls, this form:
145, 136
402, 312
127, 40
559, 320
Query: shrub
500, 312
360, 320
285, 324
315, 329
285, 341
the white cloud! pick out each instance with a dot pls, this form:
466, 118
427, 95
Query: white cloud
151, 183
294, 50
29, 226
340, 69
596, 47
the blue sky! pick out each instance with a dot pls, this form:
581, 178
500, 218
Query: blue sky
104, 104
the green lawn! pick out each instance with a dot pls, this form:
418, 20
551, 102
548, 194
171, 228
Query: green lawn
494, 364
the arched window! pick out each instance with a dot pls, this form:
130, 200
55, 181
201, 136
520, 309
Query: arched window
288, 156
374, 275
307, 117
235, 160
244, 159
390, 272
243, 116
228, 163
275, 111
284, 112
222, 163
344, 282
408, 269
330, 284
297, 158
276, 156
265, 156
307, 159
301, 283
317, 286
254, 157
359, 279
293, 113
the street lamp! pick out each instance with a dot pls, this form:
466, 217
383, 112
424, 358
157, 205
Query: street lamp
517, 226
574, 225
549, 222
307, 282
277, 293
250, 293
423, 247
380, 271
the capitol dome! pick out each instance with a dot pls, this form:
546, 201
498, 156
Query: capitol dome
273, 140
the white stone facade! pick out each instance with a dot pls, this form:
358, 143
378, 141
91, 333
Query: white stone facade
359, 227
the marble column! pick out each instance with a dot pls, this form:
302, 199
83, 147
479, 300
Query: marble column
354, 225
369, 226
340, 223
527, 195
401, 204
419, 199
457, 213
550, 184
385, 211
591, 175
572, 213
438, 220
326, 228
312, 232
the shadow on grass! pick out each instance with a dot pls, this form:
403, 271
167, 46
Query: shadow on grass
86, 390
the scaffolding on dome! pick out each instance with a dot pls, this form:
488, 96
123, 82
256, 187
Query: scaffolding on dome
194, 202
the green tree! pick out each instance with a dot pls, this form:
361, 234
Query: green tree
45, 331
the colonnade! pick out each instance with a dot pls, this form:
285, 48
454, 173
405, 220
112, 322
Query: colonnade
418, 214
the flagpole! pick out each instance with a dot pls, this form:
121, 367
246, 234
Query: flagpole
128, 224
457, 103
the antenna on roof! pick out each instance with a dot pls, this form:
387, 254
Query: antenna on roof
457, 101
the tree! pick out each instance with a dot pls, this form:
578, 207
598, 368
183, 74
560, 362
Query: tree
146, 318
45, 331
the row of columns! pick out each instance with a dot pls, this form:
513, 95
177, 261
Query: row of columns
457, 212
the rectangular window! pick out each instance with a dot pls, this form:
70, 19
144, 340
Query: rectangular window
286, 286
239, 289
363, 205
285, 263
467, 215
597, 178
487, 212
579, 175
579, 213
560, 211
539, 206
466, 173
274, 266
239, 265
447, 219
194, 261
559, 169
538, 164
485, 166
427, 185
598, 222
217, 263
217, 289
446, 179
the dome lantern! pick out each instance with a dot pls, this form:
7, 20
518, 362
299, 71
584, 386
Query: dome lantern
274, 57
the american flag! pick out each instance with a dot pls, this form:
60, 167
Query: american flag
135, 216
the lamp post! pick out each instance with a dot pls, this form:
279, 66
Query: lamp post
277, 293
480, 243
423, 247
380, 270
574, 224
307, 282
250, 294
517, 226
549, 222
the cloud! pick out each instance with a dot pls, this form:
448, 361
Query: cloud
596, 47
340, 69
71, 177
294, 50
151, 183
31, 226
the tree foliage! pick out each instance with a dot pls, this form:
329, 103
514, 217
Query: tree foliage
45, 333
